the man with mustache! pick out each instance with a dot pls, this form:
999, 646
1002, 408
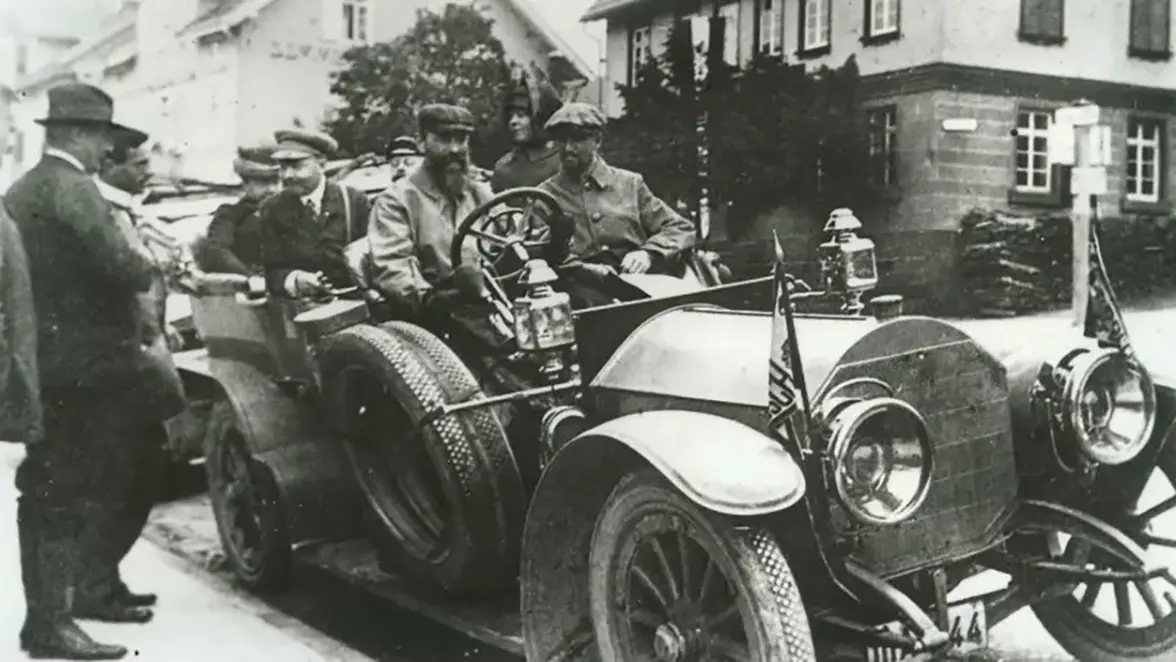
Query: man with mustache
619, 224
306, 226
233, 242
413, 222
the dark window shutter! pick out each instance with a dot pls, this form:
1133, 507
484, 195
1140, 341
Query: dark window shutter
1043, 18
1150, 25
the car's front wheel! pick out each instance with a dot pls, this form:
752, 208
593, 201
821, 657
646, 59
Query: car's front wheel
669, 582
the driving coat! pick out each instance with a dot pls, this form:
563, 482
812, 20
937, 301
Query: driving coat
20, 384
612, 210
411, 231
86, 278
233, 242
294, 239
525, 167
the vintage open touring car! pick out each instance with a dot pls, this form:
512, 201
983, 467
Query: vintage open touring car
701, 475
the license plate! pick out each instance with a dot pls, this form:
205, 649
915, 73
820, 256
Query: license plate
967, 631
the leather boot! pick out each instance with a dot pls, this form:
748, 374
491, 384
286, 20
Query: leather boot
111, 610
62, 639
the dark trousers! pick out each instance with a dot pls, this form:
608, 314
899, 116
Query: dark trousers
86, 490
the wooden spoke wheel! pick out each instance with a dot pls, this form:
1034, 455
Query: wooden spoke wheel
672, 583
1123, 619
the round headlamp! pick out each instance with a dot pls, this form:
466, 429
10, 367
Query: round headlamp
882, 459
1108, 404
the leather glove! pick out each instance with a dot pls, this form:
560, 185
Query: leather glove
439, 299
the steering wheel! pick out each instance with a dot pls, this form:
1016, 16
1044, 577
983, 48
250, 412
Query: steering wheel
505, 226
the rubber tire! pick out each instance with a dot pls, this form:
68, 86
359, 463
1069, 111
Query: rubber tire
748, 556
273, 572
469, 451
1076, 633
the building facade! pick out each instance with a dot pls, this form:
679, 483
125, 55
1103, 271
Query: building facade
959, 98
205, 76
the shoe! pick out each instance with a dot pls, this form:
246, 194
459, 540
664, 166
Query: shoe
65, 641
111, 610
129, 598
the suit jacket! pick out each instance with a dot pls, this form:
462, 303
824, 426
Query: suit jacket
292, 239
233, 243
20, 384
86, 278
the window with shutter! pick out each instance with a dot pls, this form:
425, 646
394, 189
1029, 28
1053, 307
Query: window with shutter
1043, 21
1151, 24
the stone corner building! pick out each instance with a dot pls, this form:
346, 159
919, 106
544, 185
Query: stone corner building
998, 68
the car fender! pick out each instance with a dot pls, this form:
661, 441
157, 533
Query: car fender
314, 486
724, 466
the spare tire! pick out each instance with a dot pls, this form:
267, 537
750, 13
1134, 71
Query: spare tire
446, 496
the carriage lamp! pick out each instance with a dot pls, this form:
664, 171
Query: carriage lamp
542, 317
848, 265
1103, 400
881, 458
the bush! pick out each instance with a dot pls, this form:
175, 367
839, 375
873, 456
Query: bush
1011, 265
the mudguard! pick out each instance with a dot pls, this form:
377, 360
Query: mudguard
318, 495
722, 465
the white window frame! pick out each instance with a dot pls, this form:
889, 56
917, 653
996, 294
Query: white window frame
771, 27
887, 128
1027, 134
883, 17
356, 21
1145, 140
640, 50
816, 21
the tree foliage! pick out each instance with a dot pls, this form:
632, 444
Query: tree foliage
450, 56
774, 133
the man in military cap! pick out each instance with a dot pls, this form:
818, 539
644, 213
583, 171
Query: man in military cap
306, 226
233, 242
413, 222
619, 224
87, 274
530, 102
404, 154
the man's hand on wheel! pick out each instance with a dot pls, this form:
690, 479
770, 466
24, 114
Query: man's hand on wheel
637, 262
308, 284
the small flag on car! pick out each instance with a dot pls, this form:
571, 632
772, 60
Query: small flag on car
1103, 320
786, 387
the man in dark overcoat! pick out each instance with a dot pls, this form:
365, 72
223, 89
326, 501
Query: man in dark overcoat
233, 243
99, 381
306, 226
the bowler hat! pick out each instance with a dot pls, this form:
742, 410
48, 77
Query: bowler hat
83, 104
297, 144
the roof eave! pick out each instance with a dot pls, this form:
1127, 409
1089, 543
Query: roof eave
607, 10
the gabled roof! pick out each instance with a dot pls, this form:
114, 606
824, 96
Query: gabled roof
602, 9
114, 34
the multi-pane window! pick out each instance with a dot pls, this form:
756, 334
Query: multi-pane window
814, 24
1144, 159
882, 17
355, 21
882, 129
1032, 159
640, 51
1043, 20
771, 27
1151, 26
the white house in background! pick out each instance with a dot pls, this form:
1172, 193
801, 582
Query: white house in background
205, 76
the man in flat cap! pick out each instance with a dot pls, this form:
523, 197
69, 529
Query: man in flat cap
306, 225
87, 275
619, 224
413, 222
233, 242
530, 102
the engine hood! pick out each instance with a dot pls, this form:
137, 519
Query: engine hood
712, 354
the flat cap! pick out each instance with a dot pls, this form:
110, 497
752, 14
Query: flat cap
295, 144
403, 146
578, 115
445, 117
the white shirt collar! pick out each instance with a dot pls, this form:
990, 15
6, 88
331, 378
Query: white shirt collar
315, 197
117, 197
65, 156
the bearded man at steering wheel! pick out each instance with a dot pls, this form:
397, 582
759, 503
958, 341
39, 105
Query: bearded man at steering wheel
619, 225
412, 223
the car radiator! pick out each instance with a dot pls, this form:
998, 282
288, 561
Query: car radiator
963, 393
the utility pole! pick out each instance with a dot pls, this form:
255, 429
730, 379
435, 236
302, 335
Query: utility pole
1077, 139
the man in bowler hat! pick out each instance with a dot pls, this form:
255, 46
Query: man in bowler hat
306, 226
233, 242
96, 377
